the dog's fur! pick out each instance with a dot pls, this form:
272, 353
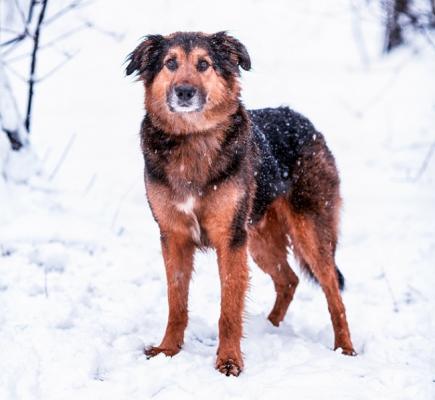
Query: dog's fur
220, 176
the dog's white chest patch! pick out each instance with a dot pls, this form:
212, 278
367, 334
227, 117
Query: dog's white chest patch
188, 207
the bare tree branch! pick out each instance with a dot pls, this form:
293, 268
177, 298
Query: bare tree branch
34, 19
30, 13
33, 64
52, 43
403, 14
16, 39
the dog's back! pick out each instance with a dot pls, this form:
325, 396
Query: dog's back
295, 161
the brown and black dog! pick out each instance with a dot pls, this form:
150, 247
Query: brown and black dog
217, 175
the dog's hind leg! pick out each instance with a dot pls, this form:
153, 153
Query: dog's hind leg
268, 244
314, 239
178, 257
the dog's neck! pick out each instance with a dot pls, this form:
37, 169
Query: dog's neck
189, 162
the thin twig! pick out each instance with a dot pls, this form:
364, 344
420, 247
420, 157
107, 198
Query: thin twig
120, 203
63, 156
57, 67
428, 37
393, 298
9, 30
65, 10
15, 40
358, 35
45, 282
425, 163
114, 35
91, 184
17, 74
51, 43
30, 13
21, 12
15, 46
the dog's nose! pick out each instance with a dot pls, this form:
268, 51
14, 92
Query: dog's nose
185, 92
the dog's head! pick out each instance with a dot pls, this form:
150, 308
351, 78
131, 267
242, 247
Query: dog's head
190, 78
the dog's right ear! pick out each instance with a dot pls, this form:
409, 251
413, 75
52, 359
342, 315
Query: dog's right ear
230, 54
145, 59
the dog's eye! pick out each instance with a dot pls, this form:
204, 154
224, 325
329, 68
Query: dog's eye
171, 64
202, 65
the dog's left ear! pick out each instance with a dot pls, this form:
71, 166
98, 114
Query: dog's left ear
144, 60
230, 52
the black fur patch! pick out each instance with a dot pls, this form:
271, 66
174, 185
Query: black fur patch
281, 136
147, 58
340, 278
223, 49
238, 226
231, 169
234, 149
156, 145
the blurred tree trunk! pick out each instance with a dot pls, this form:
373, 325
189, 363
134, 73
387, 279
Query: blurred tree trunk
393, 29
400, 14
433, 13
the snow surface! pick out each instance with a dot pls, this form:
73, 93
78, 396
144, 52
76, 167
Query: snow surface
82, 284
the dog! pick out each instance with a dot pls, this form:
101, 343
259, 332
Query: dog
236, 180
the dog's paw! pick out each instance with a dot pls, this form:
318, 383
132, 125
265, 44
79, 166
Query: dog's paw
153, 351
347, 351
274, 319
228, 367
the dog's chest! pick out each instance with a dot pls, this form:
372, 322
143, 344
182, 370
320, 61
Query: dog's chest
189, 207
189, 165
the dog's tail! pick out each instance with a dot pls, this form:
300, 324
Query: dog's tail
340, 278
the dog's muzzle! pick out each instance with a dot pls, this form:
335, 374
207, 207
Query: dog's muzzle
185, 98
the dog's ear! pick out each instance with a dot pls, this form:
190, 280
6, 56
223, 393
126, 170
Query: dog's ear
229, 52
145, 59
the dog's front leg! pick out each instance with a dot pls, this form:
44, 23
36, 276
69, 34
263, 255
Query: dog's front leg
226, 225
178, 257
233, 272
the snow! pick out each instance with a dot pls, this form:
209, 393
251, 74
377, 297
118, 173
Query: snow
82, 283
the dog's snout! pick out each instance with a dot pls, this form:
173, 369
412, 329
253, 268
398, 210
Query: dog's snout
185, 92
185, 97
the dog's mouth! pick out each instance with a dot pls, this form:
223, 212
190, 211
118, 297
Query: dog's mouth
185, 99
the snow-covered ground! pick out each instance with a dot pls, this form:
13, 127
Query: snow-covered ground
82, 284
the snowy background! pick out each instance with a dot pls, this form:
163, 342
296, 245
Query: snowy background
82, 284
